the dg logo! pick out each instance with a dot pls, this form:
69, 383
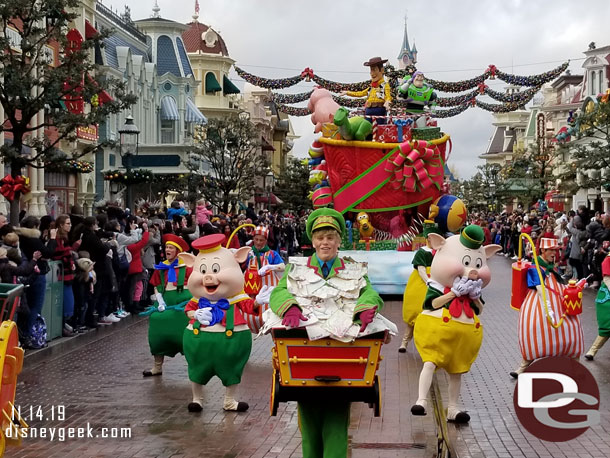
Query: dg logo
557, 399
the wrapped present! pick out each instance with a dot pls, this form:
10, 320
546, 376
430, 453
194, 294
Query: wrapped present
387, 133
431, 122
403, 128
519, 283
330, 130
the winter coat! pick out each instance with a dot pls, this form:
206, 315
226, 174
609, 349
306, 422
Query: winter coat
97, 250
135, 265
29, 242
579, 239
203, 215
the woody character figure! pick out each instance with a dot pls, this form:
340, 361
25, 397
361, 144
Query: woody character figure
378, 96
167, 319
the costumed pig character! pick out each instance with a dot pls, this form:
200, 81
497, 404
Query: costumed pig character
264, 269
378, 95
538, 338
330, 297
217, 340
602, 306
417, 285
322, 107
448, 333
419, 96
167, 320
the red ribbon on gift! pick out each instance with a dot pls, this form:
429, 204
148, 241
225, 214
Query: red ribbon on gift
11, 186
492, 70
415, 167
307, 73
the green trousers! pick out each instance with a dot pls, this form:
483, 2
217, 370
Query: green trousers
324, 429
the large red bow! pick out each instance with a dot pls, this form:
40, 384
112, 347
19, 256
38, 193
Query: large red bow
492, 70
307, 74
11, 186
482, 87
415, 167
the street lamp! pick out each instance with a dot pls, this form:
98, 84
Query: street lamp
268, 181
128, 148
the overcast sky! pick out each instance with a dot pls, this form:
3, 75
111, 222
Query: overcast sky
456, 40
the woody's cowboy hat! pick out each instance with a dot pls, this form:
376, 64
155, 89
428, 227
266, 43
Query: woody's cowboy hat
375, 61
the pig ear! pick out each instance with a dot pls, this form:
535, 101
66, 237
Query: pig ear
187, 258
436, 241
490, 250
242, 254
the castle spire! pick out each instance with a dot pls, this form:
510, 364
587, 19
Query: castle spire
408, 55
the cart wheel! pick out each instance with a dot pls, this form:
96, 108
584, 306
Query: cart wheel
377, 404
275, 389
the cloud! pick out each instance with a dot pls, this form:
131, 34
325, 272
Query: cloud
455, 40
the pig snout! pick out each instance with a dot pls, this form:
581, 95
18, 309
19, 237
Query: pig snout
209, 279
473, 274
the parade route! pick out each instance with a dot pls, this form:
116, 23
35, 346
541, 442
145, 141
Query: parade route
100, 384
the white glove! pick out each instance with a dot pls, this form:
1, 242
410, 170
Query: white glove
263, 270
161, 302
204, 315
264, 294
460, 286
475, 289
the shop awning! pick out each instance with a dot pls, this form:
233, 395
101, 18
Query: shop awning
193, 114
229, 87
90, 31
264, 198
169, 109
211, 84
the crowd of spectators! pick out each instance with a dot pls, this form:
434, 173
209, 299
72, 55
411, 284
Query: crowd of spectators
106, 260
583, 235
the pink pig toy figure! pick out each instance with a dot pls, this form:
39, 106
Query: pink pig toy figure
448, 333
217, 340
322, 107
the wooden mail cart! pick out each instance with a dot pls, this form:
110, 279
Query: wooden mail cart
325, 369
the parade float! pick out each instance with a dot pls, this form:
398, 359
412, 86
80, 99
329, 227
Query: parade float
386, 173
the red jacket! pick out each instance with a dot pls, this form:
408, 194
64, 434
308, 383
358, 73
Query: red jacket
135, 266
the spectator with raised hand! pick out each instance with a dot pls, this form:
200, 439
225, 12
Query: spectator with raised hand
136, 270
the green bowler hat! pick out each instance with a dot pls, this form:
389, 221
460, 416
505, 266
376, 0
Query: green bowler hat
325, 217
430, 227
472, 237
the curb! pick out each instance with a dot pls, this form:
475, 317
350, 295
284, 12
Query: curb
64, 345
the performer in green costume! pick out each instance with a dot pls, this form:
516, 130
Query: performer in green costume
167, 319
324, 425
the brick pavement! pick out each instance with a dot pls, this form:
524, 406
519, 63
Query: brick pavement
101, 383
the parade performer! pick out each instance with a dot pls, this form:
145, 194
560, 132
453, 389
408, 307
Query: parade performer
167, 321
337, 296
263, 272
378, 95
602, 305
448, 333
217, 340
417, 285
538, 338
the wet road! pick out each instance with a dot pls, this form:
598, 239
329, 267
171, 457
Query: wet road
100, 385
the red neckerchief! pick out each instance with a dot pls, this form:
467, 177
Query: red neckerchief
458, 305
375, 83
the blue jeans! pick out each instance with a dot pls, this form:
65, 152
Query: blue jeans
68, 301
35, 296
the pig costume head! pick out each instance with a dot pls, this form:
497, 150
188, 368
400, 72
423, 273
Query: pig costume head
216, 273
461, 255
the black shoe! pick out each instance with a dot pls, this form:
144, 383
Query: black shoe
242, 406
418, 410
195, 407
513, 374
148, 373
589, 357
402, 350
461, 418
